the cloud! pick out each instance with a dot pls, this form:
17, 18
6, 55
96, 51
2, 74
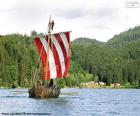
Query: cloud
106, 12
86, 18
70, 13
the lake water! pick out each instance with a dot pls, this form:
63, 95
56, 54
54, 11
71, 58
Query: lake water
72, 102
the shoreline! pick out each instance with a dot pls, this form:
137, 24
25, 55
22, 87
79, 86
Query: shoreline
103, 87
92, 85
100, 85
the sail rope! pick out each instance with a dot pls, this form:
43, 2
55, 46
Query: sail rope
37, 68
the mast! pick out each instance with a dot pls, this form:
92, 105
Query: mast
50, 27
49, 37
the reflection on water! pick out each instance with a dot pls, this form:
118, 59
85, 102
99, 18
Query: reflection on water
74, 102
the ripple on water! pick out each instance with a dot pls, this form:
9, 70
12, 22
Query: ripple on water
74, 102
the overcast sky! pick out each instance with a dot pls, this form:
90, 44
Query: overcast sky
97, 19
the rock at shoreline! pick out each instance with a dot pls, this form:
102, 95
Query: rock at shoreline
115, 85
92, 84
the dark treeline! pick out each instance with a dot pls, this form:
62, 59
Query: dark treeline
19, 59
115, 61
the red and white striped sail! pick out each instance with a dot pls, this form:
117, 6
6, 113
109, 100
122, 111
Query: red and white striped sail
58, 56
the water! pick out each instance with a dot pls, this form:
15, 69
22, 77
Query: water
73, 102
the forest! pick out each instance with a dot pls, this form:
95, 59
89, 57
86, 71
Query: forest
114, 61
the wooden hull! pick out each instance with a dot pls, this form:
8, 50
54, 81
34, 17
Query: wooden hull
38, 91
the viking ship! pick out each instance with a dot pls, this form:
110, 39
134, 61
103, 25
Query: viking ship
54, 51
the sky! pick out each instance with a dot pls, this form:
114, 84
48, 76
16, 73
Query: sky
96, 19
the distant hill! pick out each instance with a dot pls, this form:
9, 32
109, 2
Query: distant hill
126, 37
86, 41
117, 60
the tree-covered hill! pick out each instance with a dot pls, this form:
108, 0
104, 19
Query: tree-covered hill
87, 41
115, 61
19, 59
126, 37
